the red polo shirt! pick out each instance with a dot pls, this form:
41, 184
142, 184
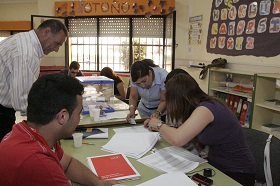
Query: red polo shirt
26, 159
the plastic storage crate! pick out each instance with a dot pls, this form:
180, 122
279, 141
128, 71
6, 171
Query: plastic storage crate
99, 90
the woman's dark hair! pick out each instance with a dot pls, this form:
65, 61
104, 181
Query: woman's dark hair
183, 94
141, 68
50, 94
173, 73
108, 72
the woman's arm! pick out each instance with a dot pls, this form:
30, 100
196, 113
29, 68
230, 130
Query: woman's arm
133, 99
198, 120
161, 106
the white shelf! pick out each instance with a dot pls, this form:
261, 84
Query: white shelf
265, 113
268, 106
225, 90
225, 82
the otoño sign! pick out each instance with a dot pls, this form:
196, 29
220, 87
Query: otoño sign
114, 7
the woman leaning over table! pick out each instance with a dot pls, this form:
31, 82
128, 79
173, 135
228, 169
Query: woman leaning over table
147, 81
119, 90
209, 120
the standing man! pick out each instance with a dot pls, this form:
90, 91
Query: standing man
20, 57
30, 153
74, 70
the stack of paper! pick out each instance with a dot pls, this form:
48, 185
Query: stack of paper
133, 145
172, 159
135, 129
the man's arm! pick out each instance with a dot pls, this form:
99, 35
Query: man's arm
22, 78
79, 173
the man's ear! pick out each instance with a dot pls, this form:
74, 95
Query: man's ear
63, 116
46, 31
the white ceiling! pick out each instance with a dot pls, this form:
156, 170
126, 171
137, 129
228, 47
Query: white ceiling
17, 1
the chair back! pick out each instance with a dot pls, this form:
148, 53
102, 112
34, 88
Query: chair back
257, 140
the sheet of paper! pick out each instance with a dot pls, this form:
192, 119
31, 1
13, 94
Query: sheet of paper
132, 121
133, 145
180, 151
120, 106
134, 129
165, 162
178, 179
172, 159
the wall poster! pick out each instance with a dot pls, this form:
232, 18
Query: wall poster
195, 30
244, 27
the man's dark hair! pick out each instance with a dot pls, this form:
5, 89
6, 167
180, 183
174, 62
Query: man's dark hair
141, 68
75, 65
55, 26
49, 95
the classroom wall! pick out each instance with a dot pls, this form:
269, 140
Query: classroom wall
17, 11
184, 52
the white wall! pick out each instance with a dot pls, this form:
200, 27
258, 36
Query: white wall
17, 11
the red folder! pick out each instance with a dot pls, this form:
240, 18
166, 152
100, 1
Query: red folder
113, 166
243, 113
227, 99
231, 101
239, 107
235, 104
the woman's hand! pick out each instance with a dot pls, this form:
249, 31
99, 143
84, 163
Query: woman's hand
146, 123
155, 115
129, 116
152, 123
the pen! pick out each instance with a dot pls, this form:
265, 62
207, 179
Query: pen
87, 143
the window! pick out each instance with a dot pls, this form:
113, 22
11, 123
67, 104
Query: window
118, 42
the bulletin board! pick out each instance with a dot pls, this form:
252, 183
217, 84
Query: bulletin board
244, 27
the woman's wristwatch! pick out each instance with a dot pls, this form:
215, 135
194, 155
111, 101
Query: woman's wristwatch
160, 113
132, 106
159, 125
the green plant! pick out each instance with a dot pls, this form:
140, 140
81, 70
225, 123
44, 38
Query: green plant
139, 53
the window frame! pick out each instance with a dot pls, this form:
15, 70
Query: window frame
164, 64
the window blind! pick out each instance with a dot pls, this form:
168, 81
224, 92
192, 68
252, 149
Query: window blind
149, 28
83, 27
117, 27
169, 26
114, 27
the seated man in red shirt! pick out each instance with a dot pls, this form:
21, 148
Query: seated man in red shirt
30, 153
